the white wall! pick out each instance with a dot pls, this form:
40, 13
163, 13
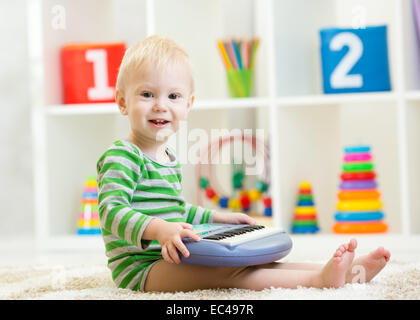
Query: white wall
16, 198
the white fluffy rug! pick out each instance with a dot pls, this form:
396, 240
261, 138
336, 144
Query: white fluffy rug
399, 280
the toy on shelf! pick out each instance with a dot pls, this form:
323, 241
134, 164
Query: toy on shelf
89, 71
359, 205
88, 223
305, 219
355, 60
241, 199
238, 57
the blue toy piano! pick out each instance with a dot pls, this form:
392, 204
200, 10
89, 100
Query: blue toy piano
235, 245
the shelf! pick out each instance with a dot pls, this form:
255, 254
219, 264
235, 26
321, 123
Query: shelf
111, 108
232, 103
329, 99
82, 109
413, 95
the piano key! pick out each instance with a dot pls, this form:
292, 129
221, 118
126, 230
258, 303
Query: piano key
256, 233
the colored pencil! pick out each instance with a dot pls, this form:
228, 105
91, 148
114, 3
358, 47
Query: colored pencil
255, 44
225, 57
232, 55
238, 56
245, 54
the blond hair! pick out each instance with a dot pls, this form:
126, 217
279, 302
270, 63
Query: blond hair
155, 50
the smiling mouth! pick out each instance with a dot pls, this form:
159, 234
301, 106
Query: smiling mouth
159, 122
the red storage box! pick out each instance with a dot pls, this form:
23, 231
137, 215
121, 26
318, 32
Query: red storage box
90, 70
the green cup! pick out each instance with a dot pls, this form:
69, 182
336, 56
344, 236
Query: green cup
240, 82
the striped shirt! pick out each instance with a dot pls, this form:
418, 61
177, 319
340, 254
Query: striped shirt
134, 188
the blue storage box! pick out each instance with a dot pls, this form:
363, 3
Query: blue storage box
355, 60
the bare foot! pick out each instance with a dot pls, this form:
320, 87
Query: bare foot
365, 268
333, 275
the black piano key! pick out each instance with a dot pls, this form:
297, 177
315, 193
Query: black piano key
234, 232
212, 237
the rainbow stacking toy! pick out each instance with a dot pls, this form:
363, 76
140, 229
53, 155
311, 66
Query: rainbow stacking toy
305, 220
359, 206
88, 223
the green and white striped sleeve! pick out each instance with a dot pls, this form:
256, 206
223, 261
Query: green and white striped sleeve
118, 171
197, 214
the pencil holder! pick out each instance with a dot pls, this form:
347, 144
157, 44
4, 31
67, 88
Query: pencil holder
240, 82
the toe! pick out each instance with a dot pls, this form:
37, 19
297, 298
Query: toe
378, 253
387, 255
352, 245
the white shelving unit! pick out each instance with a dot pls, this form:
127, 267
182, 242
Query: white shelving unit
306, 128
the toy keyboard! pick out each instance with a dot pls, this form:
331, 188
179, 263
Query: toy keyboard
234, 245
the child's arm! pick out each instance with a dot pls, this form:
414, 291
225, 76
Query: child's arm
118, 172
199, 215
233, 218
170, 235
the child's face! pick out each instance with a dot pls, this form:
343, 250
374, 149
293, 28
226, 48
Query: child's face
156, 101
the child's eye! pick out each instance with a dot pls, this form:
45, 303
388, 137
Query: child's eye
146, 94
173, 96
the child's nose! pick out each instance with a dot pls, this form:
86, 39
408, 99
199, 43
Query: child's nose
159, 106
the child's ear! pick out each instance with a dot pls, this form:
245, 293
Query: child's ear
119, 99
190, 102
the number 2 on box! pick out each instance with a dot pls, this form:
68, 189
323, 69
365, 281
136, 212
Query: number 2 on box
340, 77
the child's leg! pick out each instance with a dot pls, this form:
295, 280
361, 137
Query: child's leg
293, 266
167, 277
363, 269
309, 266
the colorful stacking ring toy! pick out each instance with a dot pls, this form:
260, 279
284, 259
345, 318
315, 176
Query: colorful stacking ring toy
359, 206
356, 157
361, 227
305, 211
305, 229
358, 216
358, 194
305, 219
357, 149
370, 175
243, 200
358, 185
358, 166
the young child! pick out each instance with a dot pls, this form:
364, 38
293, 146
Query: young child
142, 213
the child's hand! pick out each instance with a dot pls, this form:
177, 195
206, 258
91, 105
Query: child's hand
170, 237
233, 218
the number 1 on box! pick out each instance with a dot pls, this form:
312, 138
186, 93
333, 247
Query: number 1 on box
101, 89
